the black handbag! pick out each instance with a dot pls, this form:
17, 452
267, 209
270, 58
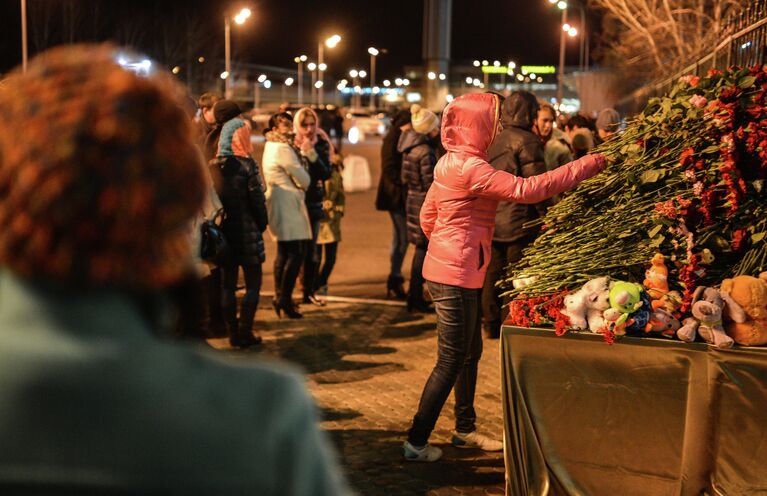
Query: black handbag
213, 245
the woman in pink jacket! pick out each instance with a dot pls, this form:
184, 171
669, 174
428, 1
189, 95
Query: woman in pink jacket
458, 217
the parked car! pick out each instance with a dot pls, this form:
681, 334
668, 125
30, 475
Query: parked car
366, 123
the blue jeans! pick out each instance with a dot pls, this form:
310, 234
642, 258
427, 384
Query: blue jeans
458, 353
398, 242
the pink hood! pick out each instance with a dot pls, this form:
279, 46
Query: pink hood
458, 215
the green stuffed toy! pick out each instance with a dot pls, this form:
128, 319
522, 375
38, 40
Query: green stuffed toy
626, 299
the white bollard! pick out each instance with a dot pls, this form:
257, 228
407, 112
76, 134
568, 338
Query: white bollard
356, 174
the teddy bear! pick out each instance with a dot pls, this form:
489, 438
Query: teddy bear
707, 311
656, 285
662, 321
585, 306
747, 303
629, 310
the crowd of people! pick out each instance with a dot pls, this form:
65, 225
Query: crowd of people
102, 233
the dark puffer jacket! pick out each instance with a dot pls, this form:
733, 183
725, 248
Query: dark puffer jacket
242, 196
518, 151
391, 192
418, 161
319, 172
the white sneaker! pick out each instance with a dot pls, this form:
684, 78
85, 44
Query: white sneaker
428, 453
476, 440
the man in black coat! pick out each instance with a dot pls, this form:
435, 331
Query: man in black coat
518, 151
391, 198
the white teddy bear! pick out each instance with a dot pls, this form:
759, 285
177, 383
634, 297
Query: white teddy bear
585, 306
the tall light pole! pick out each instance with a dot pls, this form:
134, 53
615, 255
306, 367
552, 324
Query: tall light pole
330, 43
240, 18
313, 67
562, 40
24, 53
373, 54
300, 77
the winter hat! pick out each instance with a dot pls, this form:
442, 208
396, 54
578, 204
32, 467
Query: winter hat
608, 119
100, 177
424, 120
225, 110
400, 118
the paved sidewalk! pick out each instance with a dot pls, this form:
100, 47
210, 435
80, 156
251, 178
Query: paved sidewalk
366, 365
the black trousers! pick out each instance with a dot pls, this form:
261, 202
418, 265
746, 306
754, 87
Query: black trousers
290, 257
328, 262
495, 311
311, 261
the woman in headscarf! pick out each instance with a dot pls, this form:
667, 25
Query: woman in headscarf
286, 183
315, 149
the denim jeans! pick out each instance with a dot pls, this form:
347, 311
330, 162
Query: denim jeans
252, 275
458, 353
398, 242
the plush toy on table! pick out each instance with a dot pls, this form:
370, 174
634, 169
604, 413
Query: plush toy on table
708, 307
663, 322
746, 297
629, 310
656, 284
584, 307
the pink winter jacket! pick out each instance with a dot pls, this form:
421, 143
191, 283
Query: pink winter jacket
458, 215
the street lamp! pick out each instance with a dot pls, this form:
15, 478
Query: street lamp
24, 53
330, 43
373, 54
240, 18
300, 77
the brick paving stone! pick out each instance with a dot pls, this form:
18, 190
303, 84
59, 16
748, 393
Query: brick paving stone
366, 365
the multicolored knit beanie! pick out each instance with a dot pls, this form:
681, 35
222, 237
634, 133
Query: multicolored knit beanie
99, 173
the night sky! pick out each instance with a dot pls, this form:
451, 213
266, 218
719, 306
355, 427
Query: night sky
522, 30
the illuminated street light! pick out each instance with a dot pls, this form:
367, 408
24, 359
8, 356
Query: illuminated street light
353, 73
431, 75
262, 78
475, 82
330, 42
468, 80
363, 74
442, 77
201, 60
373, 51
532, 75
496, 63
572, 32
512, 64
386, 83
318, 84
176, 70
224, 75
289, 81
267, 84
406, 82
398, 81
477, 63
240, 18
520, 77
300, 76
311, 66
561, 5
566, 27
484, 62
376, 90
552, 1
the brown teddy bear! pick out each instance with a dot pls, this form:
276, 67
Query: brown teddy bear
748, 299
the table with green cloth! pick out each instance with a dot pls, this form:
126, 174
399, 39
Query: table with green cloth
640, 417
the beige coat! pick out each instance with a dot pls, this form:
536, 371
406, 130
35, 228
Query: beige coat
286, 180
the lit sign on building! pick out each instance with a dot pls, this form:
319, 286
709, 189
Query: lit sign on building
491, 69
538, 69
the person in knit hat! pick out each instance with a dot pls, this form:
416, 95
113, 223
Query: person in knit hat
418, 147
100, 181
608, 121
424, 120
